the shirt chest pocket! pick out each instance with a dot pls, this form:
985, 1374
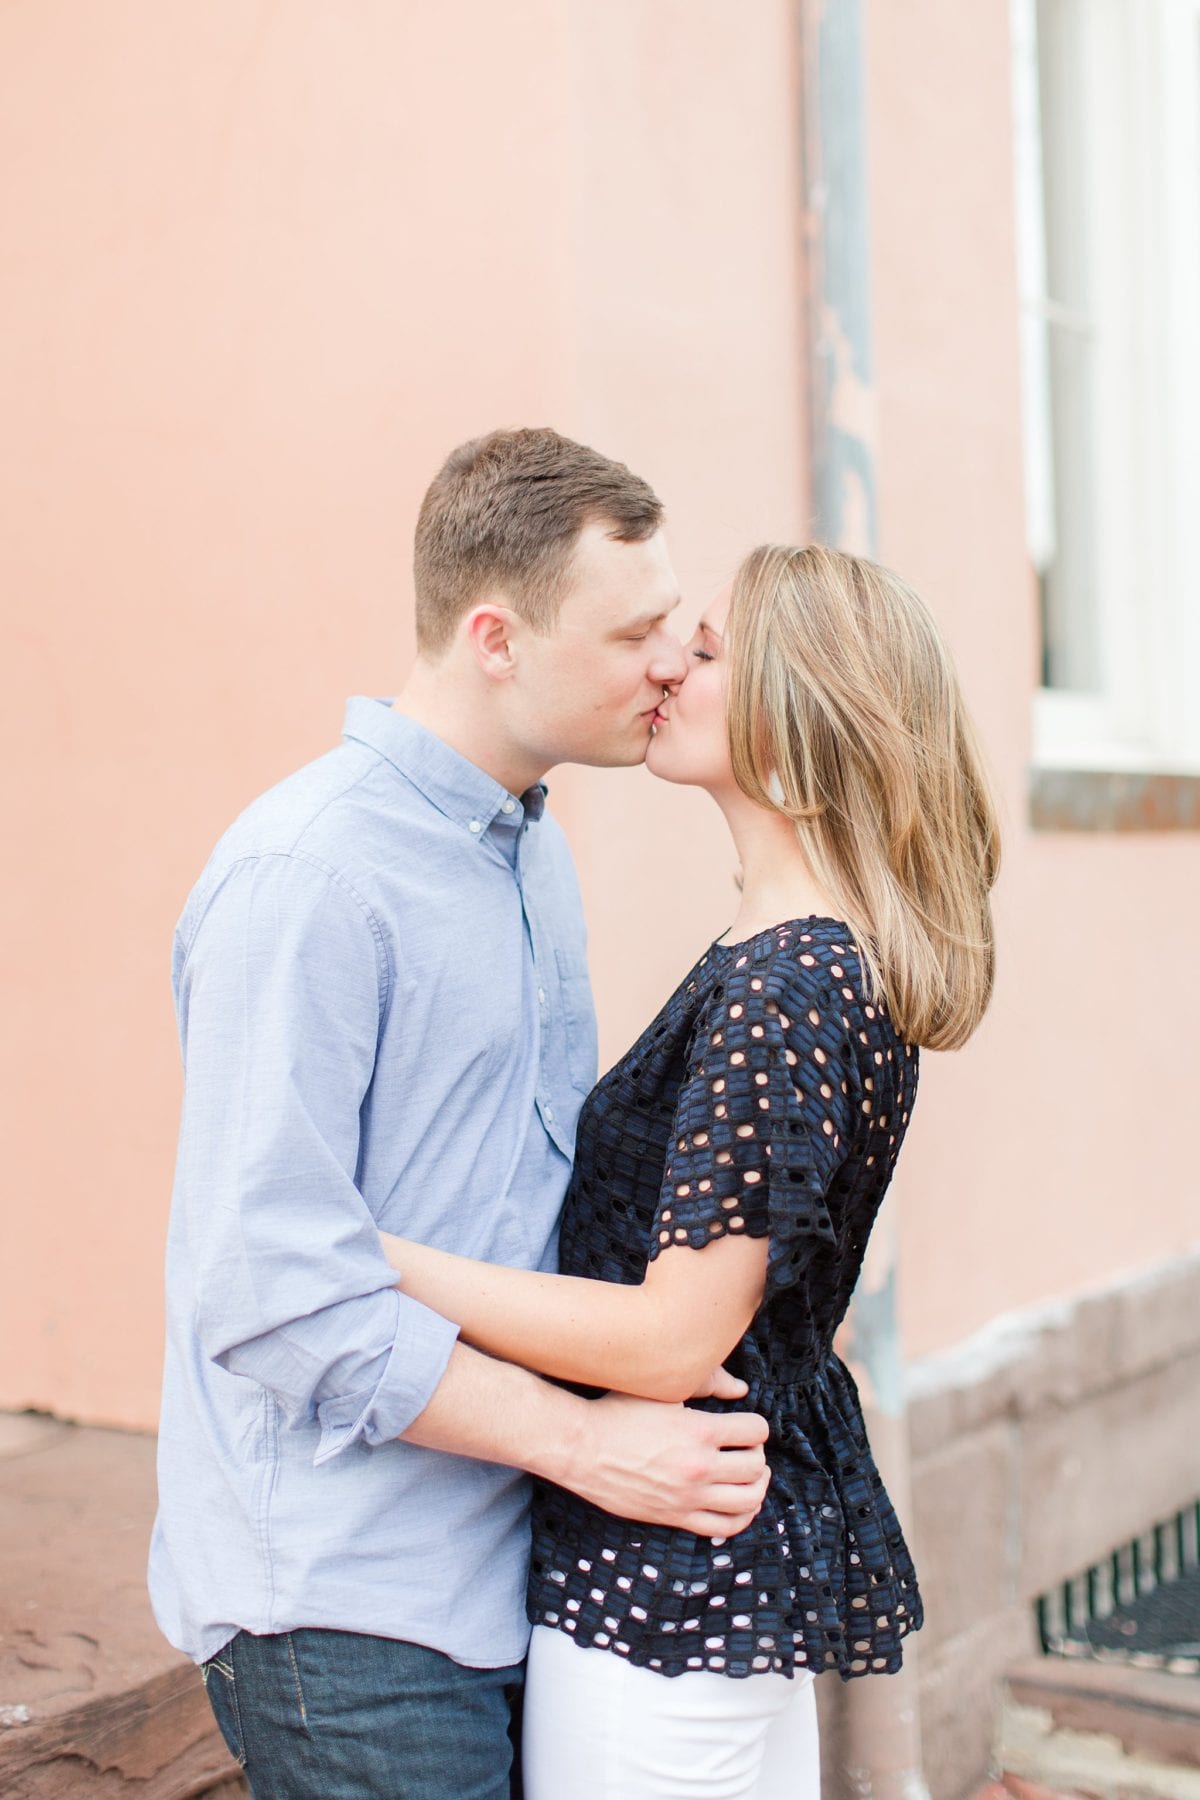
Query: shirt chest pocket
579, 1020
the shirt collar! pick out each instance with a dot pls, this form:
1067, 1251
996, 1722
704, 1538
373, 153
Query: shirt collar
458, 788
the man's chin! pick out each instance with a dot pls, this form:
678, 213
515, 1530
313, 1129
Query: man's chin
628, 759
614, 756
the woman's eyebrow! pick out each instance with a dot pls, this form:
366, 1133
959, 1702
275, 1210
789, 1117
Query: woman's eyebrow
705, 626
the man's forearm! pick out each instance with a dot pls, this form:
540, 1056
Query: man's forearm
656, 1462
501, 1413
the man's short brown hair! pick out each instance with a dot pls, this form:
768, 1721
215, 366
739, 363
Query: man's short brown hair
504, 512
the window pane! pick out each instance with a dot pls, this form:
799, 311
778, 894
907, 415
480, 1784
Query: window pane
1054, 121
1062, 67
1070, 625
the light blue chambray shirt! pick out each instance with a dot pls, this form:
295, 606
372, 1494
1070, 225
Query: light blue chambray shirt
384, 1011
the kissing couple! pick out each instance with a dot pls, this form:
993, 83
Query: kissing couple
460, 1340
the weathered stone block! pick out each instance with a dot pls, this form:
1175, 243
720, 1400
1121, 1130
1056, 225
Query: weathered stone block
1158, 1316
964, 1531
1097, 1474
962, 1390
960, 1694
1074, 1357
1037, 1448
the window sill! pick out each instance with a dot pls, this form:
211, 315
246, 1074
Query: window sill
1113, 800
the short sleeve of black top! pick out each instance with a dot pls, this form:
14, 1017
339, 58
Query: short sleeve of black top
769, 1098
753, 1150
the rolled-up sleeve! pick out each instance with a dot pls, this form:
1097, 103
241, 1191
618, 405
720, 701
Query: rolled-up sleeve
280, 994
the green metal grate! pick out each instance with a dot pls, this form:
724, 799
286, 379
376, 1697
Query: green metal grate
1141, 1605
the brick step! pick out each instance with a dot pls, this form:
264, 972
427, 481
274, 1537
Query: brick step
1101, 1730
93, 1701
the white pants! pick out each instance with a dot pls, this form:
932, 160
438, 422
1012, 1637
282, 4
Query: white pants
598, 1728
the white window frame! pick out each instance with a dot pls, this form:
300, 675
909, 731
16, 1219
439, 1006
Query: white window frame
1143, 184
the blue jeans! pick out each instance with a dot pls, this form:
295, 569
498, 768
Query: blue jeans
335, 1715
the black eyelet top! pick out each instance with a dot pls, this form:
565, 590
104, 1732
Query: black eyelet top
768, 1097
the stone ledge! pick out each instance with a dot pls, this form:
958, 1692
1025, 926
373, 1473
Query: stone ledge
1047, 1358
1151, 1714
108, 1709
1104, 1733
1015, 1489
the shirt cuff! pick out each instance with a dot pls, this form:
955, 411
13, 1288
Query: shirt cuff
412, 1369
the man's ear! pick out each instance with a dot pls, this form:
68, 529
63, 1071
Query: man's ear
490, 630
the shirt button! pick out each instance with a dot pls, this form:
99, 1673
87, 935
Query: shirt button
541, 996
475, 825
549, 1115
509, 806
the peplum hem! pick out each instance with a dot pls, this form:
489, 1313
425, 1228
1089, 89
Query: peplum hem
821, 1581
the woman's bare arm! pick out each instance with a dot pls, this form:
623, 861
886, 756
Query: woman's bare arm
660, 1340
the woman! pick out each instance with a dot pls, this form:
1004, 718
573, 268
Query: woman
758, 1118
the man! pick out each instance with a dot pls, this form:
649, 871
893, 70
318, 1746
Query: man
385, 1020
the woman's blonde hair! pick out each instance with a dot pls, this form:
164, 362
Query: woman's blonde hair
845, 713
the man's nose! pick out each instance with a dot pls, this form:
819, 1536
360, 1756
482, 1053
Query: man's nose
669, 664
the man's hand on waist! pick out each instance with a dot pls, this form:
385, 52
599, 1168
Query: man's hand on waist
668, 1464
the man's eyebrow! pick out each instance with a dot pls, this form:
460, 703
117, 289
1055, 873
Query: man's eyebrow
654, 618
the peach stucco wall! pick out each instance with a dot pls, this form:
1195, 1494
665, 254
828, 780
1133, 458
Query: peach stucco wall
266, 265
1054, 1153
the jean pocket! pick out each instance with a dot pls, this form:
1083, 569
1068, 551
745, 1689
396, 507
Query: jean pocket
220, 1685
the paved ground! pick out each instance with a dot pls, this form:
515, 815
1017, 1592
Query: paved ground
92, 1700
